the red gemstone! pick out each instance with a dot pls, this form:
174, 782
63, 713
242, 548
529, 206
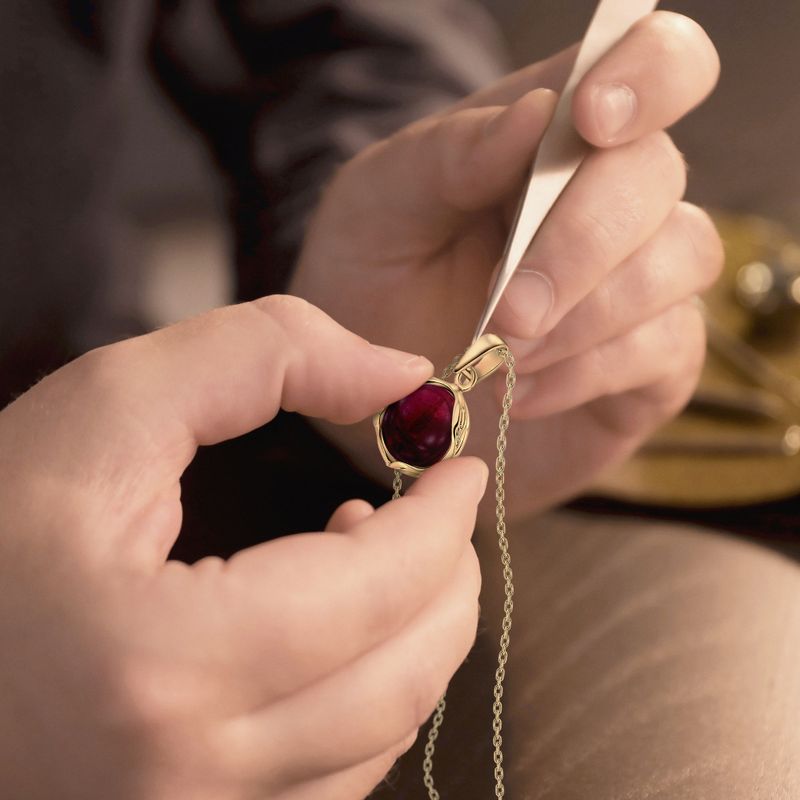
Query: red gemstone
417, 428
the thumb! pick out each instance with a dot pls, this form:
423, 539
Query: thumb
460, 162
109, 435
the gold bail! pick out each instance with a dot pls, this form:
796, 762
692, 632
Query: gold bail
481, 359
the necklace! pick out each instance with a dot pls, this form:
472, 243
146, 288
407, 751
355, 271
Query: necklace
423, 428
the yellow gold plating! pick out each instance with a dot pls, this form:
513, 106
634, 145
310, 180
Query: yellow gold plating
459, 428
479, 361
508, 605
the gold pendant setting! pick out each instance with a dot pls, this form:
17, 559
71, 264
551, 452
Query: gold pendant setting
432, 423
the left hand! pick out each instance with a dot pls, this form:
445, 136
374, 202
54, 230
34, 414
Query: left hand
607, 343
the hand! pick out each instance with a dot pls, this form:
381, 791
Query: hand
607, 343
298, 669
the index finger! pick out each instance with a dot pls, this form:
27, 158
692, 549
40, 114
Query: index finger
109, 435
339, 595
663, 67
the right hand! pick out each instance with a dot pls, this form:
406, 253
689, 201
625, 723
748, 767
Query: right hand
600, 316
298, 669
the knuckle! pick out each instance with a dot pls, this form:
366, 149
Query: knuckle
669, 32
384, 610
472, 576
705, 242
104, 376
465, 626
151, 711
139, 700
103, 369
284, 309
426, 683
683, 344
422, 696
665, 161
673, 41
591, 236
287, 317
460, 176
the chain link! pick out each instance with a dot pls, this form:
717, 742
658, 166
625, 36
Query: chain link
397, 484
508, 604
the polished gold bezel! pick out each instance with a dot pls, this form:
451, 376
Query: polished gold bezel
459, 429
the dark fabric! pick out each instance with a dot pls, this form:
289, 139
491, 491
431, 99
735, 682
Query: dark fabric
281, 479
282, 91
645, 663
285, 91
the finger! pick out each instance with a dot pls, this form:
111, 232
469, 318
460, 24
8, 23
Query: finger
662, 68
599, 434
666, 345
349, 514
683, 258
354, 782
550, 73
383, 696
118, 426
447, 165
340, 595
614, 204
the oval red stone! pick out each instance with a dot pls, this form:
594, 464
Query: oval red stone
417, 428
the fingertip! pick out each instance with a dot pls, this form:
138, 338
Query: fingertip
349, 514
464, 475
525, 308
480, 474
541, 101
484, 477
407, 361
484, 153
664, 66
376, 376
526, 117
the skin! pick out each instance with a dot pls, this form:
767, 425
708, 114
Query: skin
303, 667
599, 316
298, 669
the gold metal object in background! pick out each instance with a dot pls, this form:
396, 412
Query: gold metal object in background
738, 442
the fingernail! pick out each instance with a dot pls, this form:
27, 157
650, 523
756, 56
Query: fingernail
401, 358
614, 107
530, 298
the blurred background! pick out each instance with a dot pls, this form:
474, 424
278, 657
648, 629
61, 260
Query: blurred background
165, 194
156, 225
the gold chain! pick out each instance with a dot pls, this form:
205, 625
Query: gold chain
508, 604
397, 484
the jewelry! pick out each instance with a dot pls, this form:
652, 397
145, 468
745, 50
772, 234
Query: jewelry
421, 429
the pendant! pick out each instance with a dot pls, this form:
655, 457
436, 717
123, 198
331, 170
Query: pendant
432, 422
